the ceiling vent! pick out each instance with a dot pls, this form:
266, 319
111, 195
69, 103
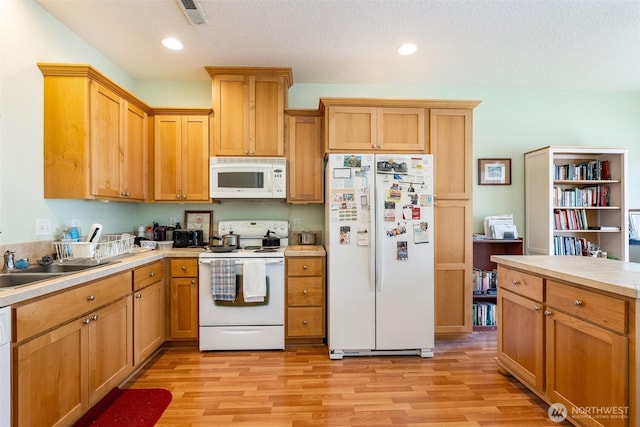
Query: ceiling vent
193, 11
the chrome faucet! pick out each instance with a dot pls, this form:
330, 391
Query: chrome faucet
9, 261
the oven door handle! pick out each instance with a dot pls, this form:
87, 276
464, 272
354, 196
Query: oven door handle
279, 261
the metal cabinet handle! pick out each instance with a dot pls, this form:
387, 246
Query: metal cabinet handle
305, 267
94, 317
305, 292
193, 281
86, 321
91, 298
138, 295
577, 302
184, 268
547, 313
304, 322
536, 308
515, 282
153, 273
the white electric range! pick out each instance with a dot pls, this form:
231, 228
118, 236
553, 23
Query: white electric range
236, 324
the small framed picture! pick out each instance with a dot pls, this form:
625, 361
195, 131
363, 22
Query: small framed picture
494, 171
199, 220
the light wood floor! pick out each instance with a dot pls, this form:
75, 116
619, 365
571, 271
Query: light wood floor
301, 386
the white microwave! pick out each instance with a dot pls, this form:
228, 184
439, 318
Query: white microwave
248, 177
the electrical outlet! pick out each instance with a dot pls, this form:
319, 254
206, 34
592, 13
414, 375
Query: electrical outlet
296, 223
43, 227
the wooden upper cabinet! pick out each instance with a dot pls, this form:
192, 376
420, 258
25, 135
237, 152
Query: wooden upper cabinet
181, 153
304, 156
248, 105
95, 137
351, 128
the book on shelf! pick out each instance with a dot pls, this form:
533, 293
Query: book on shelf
570, 219
484, 281
592, 196
565, 245
604, 227
484, 313
594, 170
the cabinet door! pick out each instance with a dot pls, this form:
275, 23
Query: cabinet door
106, 141
51, 377
520, 337
135, 167
266, 125
453, 242
231, 115
304, 152
351, 128
148, 321
110, 347
168, 157
587, 367
195, 158
402, 129
184, 308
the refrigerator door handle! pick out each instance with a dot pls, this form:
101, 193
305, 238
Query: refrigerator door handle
376, 267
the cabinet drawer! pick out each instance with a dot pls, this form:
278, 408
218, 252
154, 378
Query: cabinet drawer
301, 266
147, 274
603, 310
305, 290
304, 322
184, 267
41, 315
520, 283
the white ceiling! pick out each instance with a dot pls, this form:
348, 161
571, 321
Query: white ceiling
568, 44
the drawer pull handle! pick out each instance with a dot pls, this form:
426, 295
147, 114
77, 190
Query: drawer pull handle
138, 295
515, 282
305, 267
305, 292
304, 322
184, 268
94, 317
91, 298
152, 274
193, 281
86, 321
547, 313
577, 302
536, 308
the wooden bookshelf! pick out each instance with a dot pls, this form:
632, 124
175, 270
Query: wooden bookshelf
482, 251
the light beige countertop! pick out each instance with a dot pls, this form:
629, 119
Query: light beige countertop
618, 277
118, 264
305, 250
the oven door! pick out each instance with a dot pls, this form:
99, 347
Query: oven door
224, 313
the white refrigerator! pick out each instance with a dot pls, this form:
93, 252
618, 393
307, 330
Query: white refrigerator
379, 242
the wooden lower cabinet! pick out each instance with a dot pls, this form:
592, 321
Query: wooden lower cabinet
183, 299
148, 310
570, 345
64, 371
305, 316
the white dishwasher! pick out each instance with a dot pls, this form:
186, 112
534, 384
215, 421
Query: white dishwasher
5, 366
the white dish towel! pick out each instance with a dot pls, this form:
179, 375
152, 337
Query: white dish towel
254, 282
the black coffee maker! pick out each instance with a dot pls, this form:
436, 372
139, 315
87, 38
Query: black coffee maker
188, 238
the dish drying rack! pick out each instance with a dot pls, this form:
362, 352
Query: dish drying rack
109, 246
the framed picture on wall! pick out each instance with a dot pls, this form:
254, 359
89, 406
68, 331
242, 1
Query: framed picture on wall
199, 220
494, 171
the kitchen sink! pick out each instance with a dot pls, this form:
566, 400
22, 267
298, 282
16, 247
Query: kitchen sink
11, 280
36, 273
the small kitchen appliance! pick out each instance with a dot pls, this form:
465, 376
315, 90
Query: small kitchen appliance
184, 238
237, 324
248, 177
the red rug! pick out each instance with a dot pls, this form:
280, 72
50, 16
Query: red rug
139, 407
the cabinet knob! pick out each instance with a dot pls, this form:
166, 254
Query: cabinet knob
547, 313
94, 317
193, 281
184, 268
515, 282
536, 308
91, 298
86, 321
577, 302
305, 292
305, 267
178, 196
138, 295
246, 152
153, 273
304, 322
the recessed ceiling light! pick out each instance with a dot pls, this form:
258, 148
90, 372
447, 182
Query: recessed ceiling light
407, 49
172, 43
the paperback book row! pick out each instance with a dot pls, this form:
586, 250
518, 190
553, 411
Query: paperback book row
484, 282
484, 313
587, 171
596, 195
564, 245
570, 219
